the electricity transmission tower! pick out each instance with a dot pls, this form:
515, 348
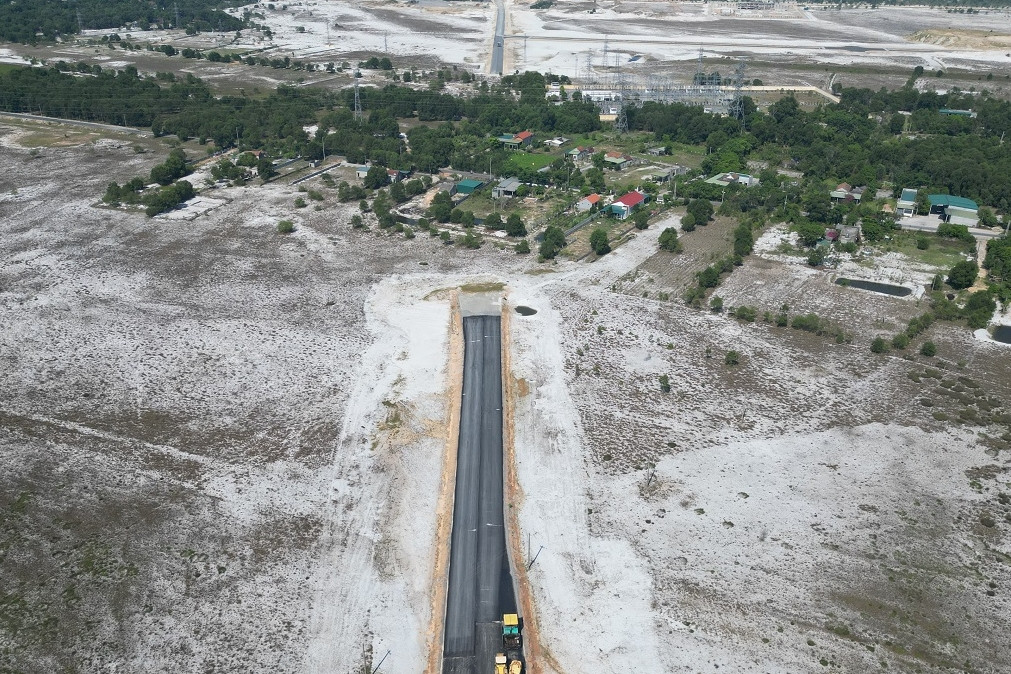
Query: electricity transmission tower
358, 102
736, 109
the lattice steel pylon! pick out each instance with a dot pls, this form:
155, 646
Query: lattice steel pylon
358, 102
736, 108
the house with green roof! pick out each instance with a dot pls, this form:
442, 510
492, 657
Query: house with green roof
906, 205
468, 186
956, 210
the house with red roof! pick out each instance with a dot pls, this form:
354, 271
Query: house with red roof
588, 202
623, 206
517, 140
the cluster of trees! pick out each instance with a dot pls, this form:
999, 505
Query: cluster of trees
552, 243
24, 21
168, 197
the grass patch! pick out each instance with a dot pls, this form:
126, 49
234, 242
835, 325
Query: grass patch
482, 287
527, 160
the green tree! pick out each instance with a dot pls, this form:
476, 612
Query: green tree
701, 210
441, 207
963, 274
668, 240
265, 168
688, 222
817, 257
598, 241
716, 304
514, 225
357, 222
376, 177
928, 349
522, 248
493, 221
398, 192
553, 242
879, 345
641, 219
987, 218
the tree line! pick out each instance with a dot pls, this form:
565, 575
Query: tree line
44, 20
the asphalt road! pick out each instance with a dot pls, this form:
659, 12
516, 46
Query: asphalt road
930, 223
77, 122
498, 47
480, 583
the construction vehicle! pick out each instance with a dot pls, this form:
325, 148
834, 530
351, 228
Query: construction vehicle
510, 631
512, 642
500, 663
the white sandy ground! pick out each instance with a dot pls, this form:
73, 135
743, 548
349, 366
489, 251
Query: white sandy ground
300, 385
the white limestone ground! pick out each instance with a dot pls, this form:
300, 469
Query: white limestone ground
204, 395
564, 35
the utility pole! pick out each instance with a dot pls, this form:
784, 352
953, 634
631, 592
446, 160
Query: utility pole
80, 24
177, 15
604, 60
386, 46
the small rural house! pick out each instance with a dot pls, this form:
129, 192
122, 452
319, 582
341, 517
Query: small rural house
956, 210
516, 141
731, 178
558, 141
588, 202
618, 161
906, 205
657, 151
362, 171
844, 193
506, 188
623, 207
579, 153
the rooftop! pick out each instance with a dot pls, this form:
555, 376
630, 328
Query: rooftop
949, 200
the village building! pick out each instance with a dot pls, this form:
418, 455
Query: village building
845, 193
906, 205
618, 160
579, 153
506, 188
588, 202
732, 178
517, 141
623, 206
468, 186
956, 210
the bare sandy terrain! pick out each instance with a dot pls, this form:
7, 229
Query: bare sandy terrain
223, 449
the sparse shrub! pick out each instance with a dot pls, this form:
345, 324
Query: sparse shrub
665, 383
900, 341
732, 358
285, 227
716, 304
300, 202
522, 248
357, 222
879, 345
746, 314
928, 349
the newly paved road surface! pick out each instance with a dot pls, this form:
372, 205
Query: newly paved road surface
498, 44
480, 583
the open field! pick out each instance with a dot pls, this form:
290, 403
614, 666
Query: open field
226, 449
225, 446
